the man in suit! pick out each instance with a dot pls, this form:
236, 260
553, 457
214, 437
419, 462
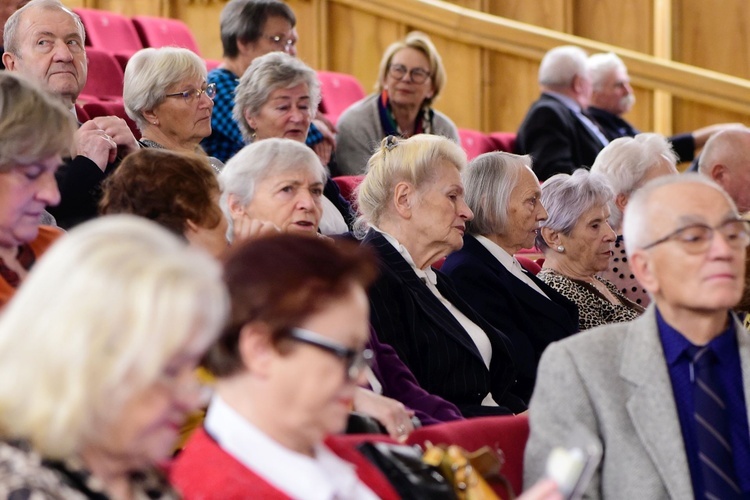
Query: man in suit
556, 131
726, 160
640, 388
44, 41
612, 97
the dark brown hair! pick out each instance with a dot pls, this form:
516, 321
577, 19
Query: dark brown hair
281, 280
166, 187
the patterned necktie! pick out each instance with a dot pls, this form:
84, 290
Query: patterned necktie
712, 429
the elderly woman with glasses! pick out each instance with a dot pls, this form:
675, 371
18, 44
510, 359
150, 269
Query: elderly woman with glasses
577, 243
504, 194
287, 364
277, 98
166, 94
410, 79
628, 163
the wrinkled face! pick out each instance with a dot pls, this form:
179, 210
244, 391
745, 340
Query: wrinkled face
286, 114
51, 52
525, 212
405, 91
147, 427
185, 121
440, 213
588, 248
290, 200
709, 281
25, 191
315, 392
615, 93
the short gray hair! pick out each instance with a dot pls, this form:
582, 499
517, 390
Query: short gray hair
244, 20
276, 70
560, 65
401, 160
636, 224
625, 161
601, 65
253, 163
151, 72
567, 197
146, 296
10, 41
489, 180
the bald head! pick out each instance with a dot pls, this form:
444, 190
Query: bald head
726, 160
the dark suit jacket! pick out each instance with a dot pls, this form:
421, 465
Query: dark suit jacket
613, 127
80, 182
432, 343
510, 305
556, 139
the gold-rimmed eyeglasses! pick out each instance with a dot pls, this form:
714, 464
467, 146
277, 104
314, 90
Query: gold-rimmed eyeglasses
192, 94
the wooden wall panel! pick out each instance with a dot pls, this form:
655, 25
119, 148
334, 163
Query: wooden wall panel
133, 7
713, 35
552, 14
641, 116
511, 86
691, 115
626, 24
203, 18
309, 47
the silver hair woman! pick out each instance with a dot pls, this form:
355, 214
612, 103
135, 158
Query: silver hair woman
36, 131
277, 98
577, 243
410, 79
504, 194
628, 163
166, 94
276, 180
412, 200
128, 312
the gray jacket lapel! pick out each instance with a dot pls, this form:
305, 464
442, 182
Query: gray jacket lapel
651, 405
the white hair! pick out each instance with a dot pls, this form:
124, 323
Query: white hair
601, 65
560, 65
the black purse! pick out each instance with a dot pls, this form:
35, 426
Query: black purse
408, 474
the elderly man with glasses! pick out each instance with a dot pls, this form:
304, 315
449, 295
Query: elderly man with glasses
666, 394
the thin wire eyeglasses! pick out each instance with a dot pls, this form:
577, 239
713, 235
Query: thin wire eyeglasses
190, 95
697, 238
355, 362
417, 75
282, 41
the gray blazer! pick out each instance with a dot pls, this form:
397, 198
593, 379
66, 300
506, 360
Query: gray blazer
360, 134
613, 383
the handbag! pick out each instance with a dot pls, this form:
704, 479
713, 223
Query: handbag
410, 476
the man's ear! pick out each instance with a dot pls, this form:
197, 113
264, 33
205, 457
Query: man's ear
255, 348
642, 268
404, 198
9, 60
719, 173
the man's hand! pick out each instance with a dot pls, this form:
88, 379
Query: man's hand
95, 144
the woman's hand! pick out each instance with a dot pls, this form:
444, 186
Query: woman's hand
392, 414
244, 227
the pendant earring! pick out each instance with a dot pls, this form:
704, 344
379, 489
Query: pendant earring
560, 248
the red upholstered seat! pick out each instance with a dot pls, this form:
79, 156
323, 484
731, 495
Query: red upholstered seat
347, 184
528, 264
475, 143
111, 108
162, 32
338, 91
506, 433
110, 32
504, 141
105, 76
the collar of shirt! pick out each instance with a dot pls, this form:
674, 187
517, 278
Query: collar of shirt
506, 259
676, 345
427, 274
324, 477
569, 103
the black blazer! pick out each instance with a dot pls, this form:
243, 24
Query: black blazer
507, 303
432, 343
614, 127
556, 139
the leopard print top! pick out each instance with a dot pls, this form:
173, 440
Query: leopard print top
593, 308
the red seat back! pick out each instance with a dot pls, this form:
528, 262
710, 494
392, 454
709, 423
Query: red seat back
347, 184
504, 141
475, 143
105, 76
338, 91
109, 31
111, 108
506, 433
528, 264
162, 32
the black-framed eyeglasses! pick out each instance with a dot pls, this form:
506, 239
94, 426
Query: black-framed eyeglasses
697, 238
190, 95
355, 361
281, 41
417, 75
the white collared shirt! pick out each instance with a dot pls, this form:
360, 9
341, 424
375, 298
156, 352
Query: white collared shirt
429, 278
324, 477
509, 262
331, 220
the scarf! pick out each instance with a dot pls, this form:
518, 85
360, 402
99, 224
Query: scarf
422, 125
